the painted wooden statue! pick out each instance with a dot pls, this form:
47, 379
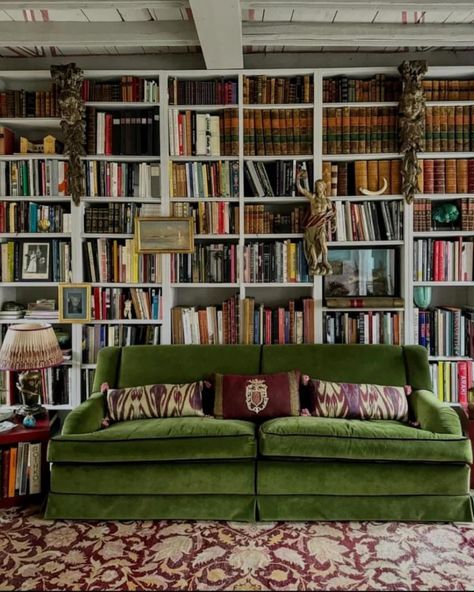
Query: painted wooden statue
322, 212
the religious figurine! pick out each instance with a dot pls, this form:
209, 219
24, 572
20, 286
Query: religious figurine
127, 313
315, 223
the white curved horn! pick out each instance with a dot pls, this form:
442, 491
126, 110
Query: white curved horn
378, 192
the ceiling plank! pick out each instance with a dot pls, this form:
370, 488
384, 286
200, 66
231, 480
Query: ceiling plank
77, 34
219, 27
357, 34
359, 4
84, 4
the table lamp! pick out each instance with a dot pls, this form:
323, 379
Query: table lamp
29, 348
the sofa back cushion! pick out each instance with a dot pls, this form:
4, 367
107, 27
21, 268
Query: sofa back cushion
373, 364
172, 364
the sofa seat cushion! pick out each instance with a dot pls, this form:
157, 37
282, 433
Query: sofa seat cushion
175, 438
325, 438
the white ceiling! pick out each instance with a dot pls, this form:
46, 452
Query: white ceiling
347, 25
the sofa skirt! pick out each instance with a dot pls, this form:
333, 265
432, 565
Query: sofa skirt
401, 508
150, 507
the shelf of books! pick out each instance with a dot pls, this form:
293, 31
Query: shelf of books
225, 149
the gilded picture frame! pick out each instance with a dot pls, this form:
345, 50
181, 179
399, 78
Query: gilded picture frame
164, 234
74, 303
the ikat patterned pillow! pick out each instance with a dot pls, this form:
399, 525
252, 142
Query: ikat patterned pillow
255, 397
359, 401
155, 400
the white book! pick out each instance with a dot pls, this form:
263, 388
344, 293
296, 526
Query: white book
201, 127
215, 145
34, 467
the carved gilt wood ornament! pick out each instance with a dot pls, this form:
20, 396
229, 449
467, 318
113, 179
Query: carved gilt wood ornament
322, 212
411, 111
69, 79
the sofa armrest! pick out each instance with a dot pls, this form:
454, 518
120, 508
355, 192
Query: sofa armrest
87, 417
433, 415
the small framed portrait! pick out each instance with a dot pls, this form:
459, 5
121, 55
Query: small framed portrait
36, 261
74, 303
160, 234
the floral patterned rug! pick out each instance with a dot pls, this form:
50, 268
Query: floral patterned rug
37, 554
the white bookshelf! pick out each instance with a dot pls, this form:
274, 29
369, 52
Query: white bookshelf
201, 294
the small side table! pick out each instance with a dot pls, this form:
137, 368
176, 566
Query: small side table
30, 480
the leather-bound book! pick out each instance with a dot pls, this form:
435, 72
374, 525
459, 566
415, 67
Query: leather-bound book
361, 175
383, 172
428, 176
354, 125
461, 176
451, 129
439, 176
451, 175
395, 180
372, 175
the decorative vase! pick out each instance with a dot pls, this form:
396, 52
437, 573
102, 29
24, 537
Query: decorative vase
422, 296
29, 421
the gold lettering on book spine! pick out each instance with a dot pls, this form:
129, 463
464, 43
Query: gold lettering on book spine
411, 112
69, 79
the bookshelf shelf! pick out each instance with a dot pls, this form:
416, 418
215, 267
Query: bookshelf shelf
448, 358
200, 295
44, 235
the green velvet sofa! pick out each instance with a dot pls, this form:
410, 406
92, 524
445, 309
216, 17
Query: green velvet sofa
290, 468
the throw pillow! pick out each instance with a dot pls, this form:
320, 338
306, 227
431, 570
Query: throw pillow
155, 400
264, 396
359, 401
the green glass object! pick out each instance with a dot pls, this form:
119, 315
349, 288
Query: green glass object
445, 213
422, 296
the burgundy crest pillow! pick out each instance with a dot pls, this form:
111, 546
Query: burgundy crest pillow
240, 396
359, 401
155, 400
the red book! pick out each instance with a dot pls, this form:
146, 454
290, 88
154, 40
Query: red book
97, 309
441, 274
436, 261
462, 383
108, 133
281, 326
180, 136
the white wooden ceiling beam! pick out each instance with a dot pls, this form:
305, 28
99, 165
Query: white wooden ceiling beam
298, 34
358, 4
85, 4
90, 35
219, 27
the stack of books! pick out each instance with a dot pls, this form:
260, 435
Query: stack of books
452, 380
130, 89
349, 90
110, 303
449, 129
364, 327
118, 218
202, 92
445, 330
210, 263
443, 260
20, 469
277, 179
277, 261
204, 179
44, 309
348, 178
122, 179
28, 216
41, 177
96, 337
368, 221
259, 219
271, 90
446, 175
448, 90
210, 218
25, 103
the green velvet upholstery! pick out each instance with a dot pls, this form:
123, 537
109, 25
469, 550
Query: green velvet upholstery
146, 507
406, 508
332, 477
169, 439
185, 363
176, 478
373, 364
291, 468
353, 439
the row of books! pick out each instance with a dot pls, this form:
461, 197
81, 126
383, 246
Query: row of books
367, 221
443, 260
53, 265
448, 90
446, 175
42, 177
122, 179
276, 261
211, 217
263, 325
203, 134
129, 89
209, 263
271, 90
259, 219
449, 129
349, 178
123, 132
27, 216
445, 330
269, 132
118, 218
360, 130
424, 221
127, 303
202, 92
379, 88
452, 380
212, 324
87, 383
204, 179
25, 103
276, 179
371, 327
20, 469
96, 337
116, 261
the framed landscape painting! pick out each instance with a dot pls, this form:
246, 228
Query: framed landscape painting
164, 234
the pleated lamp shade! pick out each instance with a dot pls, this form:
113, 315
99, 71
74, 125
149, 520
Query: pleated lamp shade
30, 346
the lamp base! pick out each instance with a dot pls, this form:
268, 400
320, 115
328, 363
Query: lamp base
30, 387
25, 410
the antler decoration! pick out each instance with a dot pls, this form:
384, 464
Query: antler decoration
411, 112
69, 79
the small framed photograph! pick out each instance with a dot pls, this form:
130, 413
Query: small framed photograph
160, 234
74, 303
36, 261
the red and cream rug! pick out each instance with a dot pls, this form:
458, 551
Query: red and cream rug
37, 554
